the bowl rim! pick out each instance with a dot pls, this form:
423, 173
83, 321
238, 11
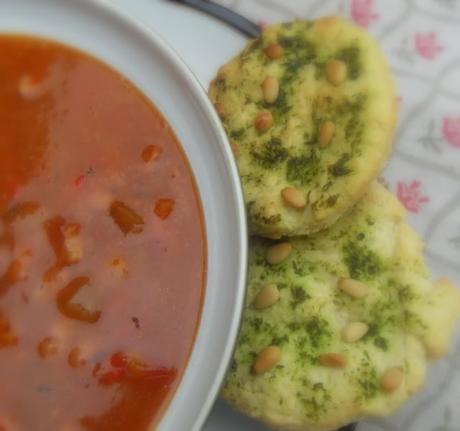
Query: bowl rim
204, 104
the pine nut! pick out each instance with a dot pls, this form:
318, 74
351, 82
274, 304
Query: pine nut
266, 359
266, 297
270, 89
391, 379
294, 197
326, 133
274, 51
333, 360
263, 121
336, 72
278, 253
354, 288
354, 331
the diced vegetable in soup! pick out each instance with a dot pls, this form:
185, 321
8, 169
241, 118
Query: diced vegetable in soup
102, 248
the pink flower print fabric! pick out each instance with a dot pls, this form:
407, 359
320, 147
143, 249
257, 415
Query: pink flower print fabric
427, 46
362, 12
411, 196
451, 131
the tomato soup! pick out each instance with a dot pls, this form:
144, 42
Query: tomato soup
102, 246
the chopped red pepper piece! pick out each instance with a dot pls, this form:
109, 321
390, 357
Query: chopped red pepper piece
151, 153
20, 211
138, 396
7, 238
125, 218
7, 337
119, 360
129, 369
164, 207
74, 310
11, 188
12, 276
112, 377
78, 181
61, 236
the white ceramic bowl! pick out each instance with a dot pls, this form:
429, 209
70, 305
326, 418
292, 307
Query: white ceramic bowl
97, 27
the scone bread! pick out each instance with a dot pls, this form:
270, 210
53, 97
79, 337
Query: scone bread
310, 110
339, 325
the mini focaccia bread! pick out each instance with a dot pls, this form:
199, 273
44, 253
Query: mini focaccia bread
341, 324
309, 109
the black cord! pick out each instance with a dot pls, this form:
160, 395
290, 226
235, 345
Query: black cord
351, 427
233, 19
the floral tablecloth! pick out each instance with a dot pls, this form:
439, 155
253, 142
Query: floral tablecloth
422, 41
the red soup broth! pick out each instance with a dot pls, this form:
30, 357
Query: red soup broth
102, 246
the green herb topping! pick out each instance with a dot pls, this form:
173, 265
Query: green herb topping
362, 262
272, 154
302, 169
299, 296
339, 168
351, 56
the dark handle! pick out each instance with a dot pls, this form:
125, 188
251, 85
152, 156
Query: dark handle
233, 19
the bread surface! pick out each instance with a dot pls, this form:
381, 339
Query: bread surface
327, 140
409, 321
